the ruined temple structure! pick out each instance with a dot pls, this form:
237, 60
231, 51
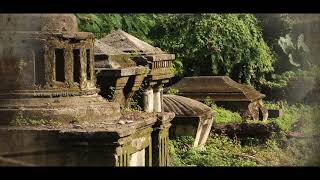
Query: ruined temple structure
192, 118
50, 111
143, 54
224, 92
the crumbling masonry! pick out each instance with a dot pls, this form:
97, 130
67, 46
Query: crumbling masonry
50, 110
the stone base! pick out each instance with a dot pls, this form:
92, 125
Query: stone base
43, 147
98, 143
62, 109
160, 140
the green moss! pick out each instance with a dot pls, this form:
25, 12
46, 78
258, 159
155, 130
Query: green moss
21, 120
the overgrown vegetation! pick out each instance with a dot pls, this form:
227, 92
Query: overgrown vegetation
101, 24
223, 116
265, 51
215, 44
276, 151
294, 69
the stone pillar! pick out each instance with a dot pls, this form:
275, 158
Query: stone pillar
148, 100
118, 95
157, 101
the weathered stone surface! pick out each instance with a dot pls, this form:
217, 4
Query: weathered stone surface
191, 118
49, 145
47, 70
50, 108
39, 22
186, 107
110, 57
160, 139
143, 54
90, 143
115, 69
224, 92
220, 88
127, 43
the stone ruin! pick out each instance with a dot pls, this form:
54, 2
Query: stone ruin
192, 118
133, 65
224, 92
148, 68
47, 70
50, 111
115, 69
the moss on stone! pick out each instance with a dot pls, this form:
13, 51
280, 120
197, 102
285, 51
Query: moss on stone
21, 120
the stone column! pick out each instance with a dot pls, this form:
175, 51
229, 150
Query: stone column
148, 100
157, 101
118, 95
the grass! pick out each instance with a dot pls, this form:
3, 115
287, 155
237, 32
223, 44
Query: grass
224, 116
220, 150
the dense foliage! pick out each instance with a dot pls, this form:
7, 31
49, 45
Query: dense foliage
263, 50
295, 72
101, 24
215, 44
204, 44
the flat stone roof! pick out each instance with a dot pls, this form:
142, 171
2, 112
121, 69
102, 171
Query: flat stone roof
219, 86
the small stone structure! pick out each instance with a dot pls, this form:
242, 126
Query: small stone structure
115, 69
47, 70
50, 110
192, 118
158, 62
129, 64
225, 92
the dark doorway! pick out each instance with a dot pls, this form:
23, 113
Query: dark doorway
60, 74
76, 65
88, 64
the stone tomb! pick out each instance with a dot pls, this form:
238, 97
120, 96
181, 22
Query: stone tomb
50, 110
224, 92
192, 118
158, 62
47, 70
116, 70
